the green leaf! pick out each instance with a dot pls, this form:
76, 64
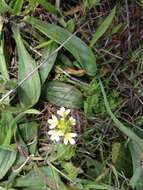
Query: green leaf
7, 158
4, 7
17, 7
32, 111
5, 122
48, 65
60, 152
39, 179
88, 185
94, 167
75, 46
127, 131
137, 156
29, 91
3, 66
121, 161
62, 94
70, 169
13, 124
49, 7
29, 132
103, 27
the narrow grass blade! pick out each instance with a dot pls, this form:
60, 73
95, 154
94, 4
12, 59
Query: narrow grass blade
75, 46
103, 27
30, 90
17, 6
49, 7
3, 67
4, 7
121, 126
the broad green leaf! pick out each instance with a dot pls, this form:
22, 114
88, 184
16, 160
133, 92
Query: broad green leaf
29, 91
4, 7
62, 94
127, 131
60, 152
17, 7
29, 133
121, 161
49, 7
137, 159
94, 167
39, 179
103, 27
7, 158
3, 67
13, 124
48, 65
75, 46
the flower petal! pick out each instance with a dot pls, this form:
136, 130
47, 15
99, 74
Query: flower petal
67, 111
65, 141
72, 141
50, 121
52, 126
63, 112
72, 120
50, 132
57, 139
73, 134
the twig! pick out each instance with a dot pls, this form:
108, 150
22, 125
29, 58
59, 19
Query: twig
70, 77
128, 24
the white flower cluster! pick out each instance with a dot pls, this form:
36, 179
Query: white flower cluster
61, 127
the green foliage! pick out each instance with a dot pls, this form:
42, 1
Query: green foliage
3, 66
49, 7
37, 32
47, 67
90, 3
4, 7
29, 92
7, 158
17, 7
137, 157
75, 46
93, 102
62, 94
121, 126
103, 27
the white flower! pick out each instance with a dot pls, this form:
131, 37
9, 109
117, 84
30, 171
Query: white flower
53, 122
55, 135
63, 112
72, 121
68, 138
